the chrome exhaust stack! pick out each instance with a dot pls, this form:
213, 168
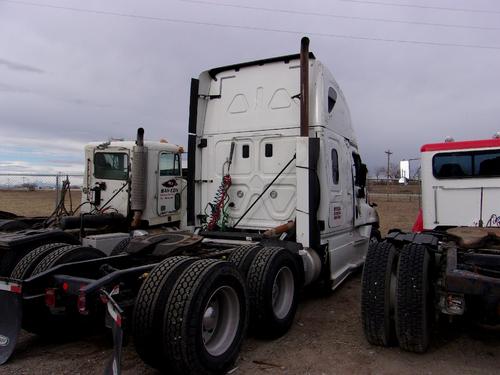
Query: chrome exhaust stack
138, 194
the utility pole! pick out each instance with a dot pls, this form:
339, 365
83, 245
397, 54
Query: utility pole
389, 153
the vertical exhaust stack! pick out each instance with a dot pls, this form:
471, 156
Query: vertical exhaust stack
308, 189
304, 87
139, 181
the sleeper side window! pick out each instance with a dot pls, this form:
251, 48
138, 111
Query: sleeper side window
332, 99
335, 166
268, 152
245, 151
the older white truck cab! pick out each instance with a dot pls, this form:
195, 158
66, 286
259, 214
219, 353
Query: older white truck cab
115, 170
460, 183
450, 265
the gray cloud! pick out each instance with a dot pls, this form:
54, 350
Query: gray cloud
110, 74
20, 67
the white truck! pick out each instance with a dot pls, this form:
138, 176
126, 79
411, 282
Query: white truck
450, 266
276, 196
154, 180
127, 185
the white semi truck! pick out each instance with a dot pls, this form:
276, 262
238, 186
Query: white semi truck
127, 185
450, 266
276, 196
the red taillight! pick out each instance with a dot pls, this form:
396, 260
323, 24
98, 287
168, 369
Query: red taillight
82, 304
50, 297
65, 286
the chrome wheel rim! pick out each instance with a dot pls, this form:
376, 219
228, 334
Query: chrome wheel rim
283, 292
220, 320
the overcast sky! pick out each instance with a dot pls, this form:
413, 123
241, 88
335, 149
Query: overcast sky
68, 77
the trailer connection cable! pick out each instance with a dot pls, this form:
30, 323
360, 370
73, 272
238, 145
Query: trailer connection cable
219, 204
221, 199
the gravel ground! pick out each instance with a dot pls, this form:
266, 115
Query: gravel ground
326, 339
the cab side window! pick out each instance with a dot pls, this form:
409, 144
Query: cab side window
170, 164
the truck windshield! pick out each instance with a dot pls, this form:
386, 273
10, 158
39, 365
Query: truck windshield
169, 164
111, 165
467, 164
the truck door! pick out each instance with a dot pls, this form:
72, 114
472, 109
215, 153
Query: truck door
338, 205
110, 176
359, 172
169, 183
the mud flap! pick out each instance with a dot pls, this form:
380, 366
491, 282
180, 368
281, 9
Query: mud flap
115, 313
11, 311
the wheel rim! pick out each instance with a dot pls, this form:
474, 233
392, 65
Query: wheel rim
283, 292
220, 320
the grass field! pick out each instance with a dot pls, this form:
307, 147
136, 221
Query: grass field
34, 203
398, 209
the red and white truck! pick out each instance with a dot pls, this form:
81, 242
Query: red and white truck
450, 264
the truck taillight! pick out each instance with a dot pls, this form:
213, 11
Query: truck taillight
82, 304
50, 297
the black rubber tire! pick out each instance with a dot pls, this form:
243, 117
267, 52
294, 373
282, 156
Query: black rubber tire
243, 256
413, 304
38, 318
120, 246
150, 304
377, 309
260, 281
184, 351
27, 264
67, 254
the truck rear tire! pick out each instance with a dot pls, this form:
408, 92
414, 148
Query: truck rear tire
150, 305
67, 254
205, 319
28, 263
273, 282
413, 299
243, 256
37, 318
378, 294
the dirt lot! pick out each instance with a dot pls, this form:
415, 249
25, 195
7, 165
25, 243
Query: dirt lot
326, 338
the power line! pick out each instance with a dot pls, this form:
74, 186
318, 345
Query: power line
390, 4
329, 15
251, 28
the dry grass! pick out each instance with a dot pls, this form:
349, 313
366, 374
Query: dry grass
33, 203
395, 210
396, 213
